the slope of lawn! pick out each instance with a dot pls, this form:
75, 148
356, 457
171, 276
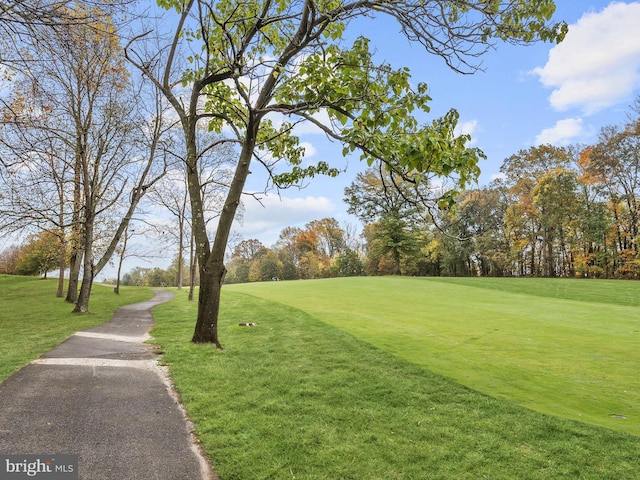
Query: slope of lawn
33, 320
562, 347
297, 398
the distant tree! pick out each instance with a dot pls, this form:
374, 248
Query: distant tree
556, 201
348, 264
265, 266
287, 251
594, 224
395, 210
39, 255
244, 255
136, 277
480, 220
614, 162
390, 243
378, 193
532, 240
9, 259
330, 236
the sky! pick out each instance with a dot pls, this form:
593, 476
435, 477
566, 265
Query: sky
524, 96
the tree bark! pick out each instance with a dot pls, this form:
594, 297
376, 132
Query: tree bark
82, 304
74, 275
211, 280
192, 269
62, 265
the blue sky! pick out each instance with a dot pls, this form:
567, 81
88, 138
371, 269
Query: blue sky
543, 93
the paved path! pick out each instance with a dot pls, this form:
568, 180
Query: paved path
100, 395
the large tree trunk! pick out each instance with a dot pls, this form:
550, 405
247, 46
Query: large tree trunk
82, 304
211, 281
74, 275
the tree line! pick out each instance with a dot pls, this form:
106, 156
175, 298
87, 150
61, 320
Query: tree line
558, 212
555, 212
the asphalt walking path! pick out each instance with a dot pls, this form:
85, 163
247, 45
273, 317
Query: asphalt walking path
101, 395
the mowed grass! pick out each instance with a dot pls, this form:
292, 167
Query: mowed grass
33, 320
295, 397
569, 348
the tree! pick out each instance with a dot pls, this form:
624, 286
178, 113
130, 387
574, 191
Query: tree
555, 200
479, 219
9, 259
592, 258
348, 264
19, 19
614, 162
242, 259
252, 61
395, 208
36, 184
89, 107
286, 248
532, 240
329, 235
39, 255
391, 242
378, 193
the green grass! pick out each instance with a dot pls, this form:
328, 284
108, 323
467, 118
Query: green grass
33, 320
297, 398
566, 348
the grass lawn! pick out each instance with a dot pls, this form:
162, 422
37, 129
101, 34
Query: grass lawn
33, 320
564, 347
297, 397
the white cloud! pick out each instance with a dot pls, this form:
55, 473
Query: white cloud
598, 63
309, 149
308, 128
562, 133
266, 221
468, 128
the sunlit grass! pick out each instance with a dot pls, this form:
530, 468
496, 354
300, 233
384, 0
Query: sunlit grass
33, 320
295, 397
567, 348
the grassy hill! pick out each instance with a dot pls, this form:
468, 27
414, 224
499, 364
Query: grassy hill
564, 347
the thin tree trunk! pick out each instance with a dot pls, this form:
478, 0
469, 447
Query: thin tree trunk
179, 280
122, 254
74, 275
62, 266
192, 269
82, 304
